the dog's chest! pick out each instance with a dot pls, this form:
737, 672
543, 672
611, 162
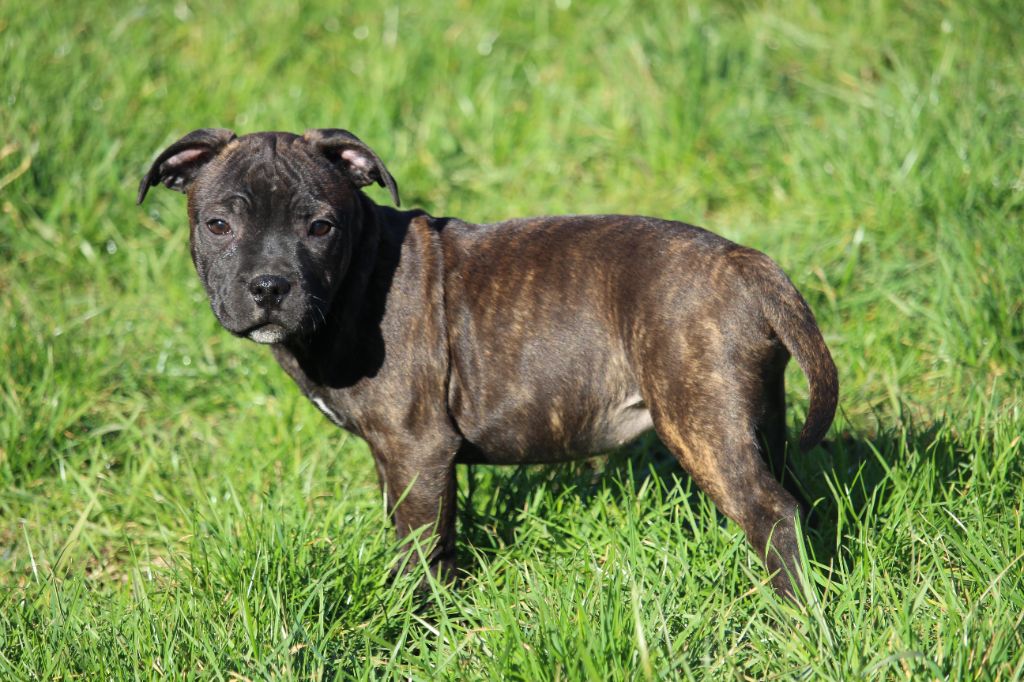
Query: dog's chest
330, 403
329, 412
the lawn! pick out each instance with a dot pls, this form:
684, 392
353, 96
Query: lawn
170, 506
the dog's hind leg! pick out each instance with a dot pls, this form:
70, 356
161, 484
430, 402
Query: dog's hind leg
771, 435
722, 456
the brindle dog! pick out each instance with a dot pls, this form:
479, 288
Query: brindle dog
441, 342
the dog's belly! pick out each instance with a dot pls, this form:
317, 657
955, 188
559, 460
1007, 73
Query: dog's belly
536, 433
630, 419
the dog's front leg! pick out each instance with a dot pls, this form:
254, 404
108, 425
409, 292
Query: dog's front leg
419, 490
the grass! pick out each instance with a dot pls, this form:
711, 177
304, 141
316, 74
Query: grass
171, 507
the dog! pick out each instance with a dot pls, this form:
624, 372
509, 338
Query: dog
441, 342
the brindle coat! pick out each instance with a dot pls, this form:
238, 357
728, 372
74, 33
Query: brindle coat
442, 342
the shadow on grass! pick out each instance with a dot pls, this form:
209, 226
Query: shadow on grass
847, 475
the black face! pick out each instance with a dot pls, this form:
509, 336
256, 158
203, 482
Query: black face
273, 223
274, 219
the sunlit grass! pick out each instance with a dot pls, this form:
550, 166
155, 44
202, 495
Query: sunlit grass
169, 504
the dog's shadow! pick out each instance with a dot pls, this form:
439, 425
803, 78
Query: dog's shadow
494, 501
846, 476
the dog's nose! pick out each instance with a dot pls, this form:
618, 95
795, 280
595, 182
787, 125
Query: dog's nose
269, 290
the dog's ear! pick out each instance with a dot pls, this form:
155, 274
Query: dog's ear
354, 158
178, 165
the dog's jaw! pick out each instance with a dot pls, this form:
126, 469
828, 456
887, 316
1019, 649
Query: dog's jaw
268, 334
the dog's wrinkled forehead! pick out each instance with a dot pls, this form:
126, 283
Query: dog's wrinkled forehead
322, 161
264, 169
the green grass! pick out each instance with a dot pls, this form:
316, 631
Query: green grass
171, 507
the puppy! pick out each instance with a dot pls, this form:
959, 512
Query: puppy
442, 342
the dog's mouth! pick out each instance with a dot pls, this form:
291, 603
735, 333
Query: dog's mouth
260, 325
265, 332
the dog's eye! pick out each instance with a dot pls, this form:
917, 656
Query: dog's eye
218, 226
318, 228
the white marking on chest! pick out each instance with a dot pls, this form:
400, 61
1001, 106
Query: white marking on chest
331, 414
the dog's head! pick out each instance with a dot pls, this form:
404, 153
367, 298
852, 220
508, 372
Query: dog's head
274, 219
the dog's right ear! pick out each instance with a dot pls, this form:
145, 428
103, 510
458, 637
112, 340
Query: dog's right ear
178, 165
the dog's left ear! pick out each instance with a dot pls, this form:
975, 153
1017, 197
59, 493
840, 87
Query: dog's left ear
354, 158
178, 165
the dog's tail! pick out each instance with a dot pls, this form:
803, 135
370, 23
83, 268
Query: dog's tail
793, 322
